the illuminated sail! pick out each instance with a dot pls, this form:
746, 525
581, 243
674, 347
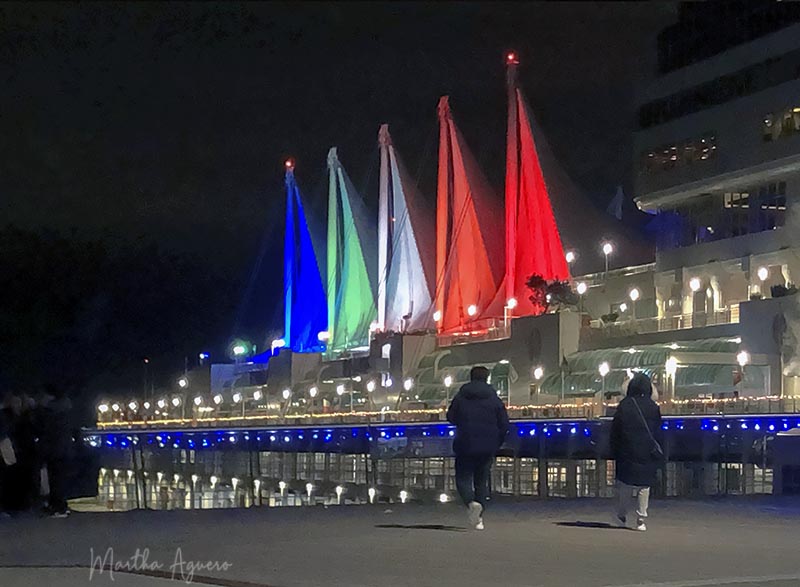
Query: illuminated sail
304, 297
406, 249
469, 241
533, 242
350, 296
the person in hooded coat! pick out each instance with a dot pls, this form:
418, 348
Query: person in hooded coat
481, 422
636, 441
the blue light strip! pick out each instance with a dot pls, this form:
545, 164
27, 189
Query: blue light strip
292, 438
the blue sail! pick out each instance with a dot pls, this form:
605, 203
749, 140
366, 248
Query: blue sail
305, 304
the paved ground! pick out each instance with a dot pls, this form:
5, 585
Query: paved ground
744, 543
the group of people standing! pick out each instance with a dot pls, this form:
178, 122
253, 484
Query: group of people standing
36, 445
481, 422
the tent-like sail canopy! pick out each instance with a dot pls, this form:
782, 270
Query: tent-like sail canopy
350, 294
304, 297
533, 242
469, 242
406, 249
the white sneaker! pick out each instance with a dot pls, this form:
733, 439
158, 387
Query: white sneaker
641, 527
474, 512
479, 525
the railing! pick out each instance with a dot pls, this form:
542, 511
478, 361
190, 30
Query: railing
581, 409
668, 323
481, 331
230, 467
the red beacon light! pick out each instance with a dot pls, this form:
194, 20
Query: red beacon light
511, 58
289, 164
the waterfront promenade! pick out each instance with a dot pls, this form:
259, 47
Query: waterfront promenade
743, 542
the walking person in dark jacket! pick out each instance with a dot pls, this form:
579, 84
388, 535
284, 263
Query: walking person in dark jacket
481, 423
636, 441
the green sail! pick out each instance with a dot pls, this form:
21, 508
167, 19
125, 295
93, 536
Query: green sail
350, 287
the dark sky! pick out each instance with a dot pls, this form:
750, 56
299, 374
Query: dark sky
172, 121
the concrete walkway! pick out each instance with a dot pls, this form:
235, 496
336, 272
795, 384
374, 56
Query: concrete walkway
744, 542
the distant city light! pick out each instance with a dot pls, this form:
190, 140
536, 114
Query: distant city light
608, 248
239, 350
218, 399
763, 273
237, 397
623, 307
183, 382
162, 403
448, 381
313, 391
146, 405
472, 310
323, 336
443, 498
634, 294
257, 395
203, 356
437, 316
198, 400
604, 369
538, 373
370, 386
403, 496
339, 389
581, 288
102, 408
511, 303
570, 256
176, 401
694, 284
115, 407
408, 384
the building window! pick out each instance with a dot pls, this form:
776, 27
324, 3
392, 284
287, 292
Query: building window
679, 154
781, 125
754, 78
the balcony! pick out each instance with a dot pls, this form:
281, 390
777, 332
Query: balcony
478, 331
666, 323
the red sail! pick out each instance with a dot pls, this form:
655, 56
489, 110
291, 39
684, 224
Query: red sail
469, 245
533, 243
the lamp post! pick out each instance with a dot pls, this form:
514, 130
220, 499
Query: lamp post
671, 368
608, 248
634, 295
508, 310
581, 288
448, 382
604, 370
743, 358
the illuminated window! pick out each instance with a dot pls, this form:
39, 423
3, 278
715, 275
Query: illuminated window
679, 154
778, 126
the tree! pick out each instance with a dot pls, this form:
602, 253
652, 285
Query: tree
553, 294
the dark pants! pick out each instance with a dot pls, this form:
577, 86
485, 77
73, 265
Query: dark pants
472, 478
57, 471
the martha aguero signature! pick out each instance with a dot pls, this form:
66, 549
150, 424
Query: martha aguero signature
179, 570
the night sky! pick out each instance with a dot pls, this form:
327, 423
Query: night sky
172, 121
